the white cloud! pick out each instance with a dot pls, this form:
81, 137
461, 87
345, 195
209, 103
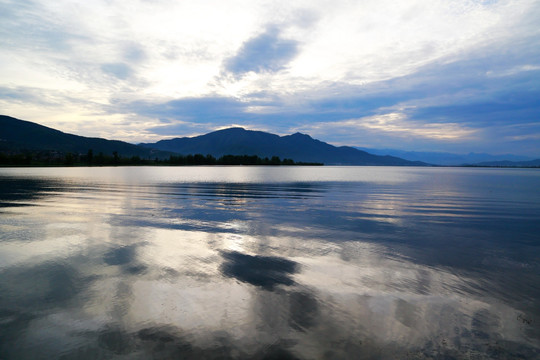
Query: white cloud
392, 125
513, 70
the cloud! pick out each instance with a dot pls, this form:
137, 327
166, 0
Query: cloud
201, 109
513, 71
45, 98
118, 70
30, 26
134, 53
19, 94
394, 124
267, 52
398, 125
503, 109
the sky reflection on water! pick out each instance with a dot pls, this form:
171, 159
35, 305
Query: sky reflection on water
357, 263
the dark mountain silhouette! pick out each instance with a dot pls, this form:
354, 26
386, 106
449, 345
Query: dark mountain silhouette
299, 147
19, 136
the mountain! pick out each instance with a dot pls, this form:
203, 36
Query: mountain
17, 136
299, 147
506, 163
443, 158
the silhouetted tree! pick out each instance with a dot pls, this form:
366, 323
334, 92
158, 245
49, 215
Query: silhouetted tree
90, 156
100, 159
69, 159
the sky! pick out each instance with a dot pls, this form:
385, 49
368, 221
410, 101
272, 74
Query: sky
426, 75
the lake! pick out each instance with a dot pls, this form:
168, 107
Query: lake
269, 263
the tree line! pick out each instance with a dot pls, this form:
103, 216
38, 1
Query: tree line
115, 159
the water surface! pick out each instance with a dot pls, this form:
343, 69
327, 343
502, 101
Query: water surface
269, 262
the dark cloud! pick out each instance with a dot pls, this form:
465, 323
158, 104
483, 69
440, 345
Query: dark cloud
506, 107
198, 109
200, 115
267, 52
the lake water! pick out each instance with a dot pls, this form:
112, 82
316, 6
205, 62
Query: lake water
269, 263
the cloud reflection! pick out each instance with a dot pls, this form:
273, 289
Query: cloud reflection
19, 192
120, 256
263, 271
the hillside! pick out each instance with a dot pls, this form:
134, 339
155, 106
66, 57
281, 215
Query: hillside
300, 147
19, 136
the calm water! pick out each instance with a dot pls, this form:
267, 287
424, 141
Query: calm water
269, 263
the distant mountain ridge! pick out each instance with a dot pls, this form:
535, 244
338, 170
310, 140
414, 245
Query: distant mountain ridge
25, 136
507, 163
444, 158
299, 147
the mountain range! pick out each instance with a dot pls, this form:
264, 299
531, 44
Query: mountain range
20, 137
299, 147
450, 159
